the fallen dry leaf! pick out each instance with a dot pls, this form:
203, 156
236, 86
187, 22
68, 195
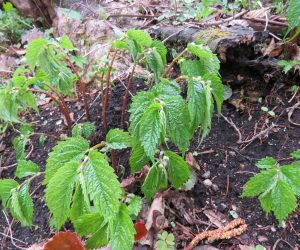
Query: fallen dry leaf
216, 218
64, 241
141, 230
190, 159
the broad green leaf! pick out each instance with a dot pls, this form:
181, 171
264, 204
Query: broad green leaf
26, 129
138, 159
266, 201
155, 180
267, 162
21, 205
135, 205
177, 121
19, 144
98, 239
283, 200
260, 183
9, 107
66, 43
79, 205
139, 104
191, 68
6, 185
291, 174
178, 169
296, 154
88, 223
29, 99
217, 89
34, 51
166, 88
140, 37
59, 192
161, 49
72, 149
293, 13
8, 7
150, 129
84, 130
155, 63
196, 103
102, 184
121, 45
123, 232
26, 168
118, 139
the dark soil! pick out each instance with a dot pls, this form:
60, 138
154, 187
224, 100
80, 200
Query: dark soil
229, 163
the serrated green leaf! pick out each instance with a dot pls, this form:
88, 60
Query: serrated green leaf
283, 200
26, 168
150, 129
19, 144
266, 202
102, 184
34, 50
140, 37
161, 49
217, 89
139, 104
293, 13
84, 130
191, 68
177, 121
260, 183
155, 180
59, 192
26, 129
118, 139
178, 169
21, 205
121, 45
138, 159
155, 63
88, 223
6, 185
296, 154
8, 7
79, 205
135, 205
166, 88
98, 239
291, 174
66, 43
72, 149
196, 103
123, 232
29, 99
267, 162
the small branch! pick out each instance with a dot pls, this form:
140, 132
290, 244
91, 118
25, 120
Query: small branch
133, 15
225, 20
126, 95
234, 126
261, 20
106, 97
290, 114
173, 62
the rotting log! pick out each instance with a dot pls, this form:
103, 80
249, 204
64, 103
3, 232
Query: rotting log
240, 50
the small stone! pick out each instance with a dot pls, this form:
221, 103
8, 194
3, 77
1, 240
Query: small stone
206, 175
262, 238
58, 122
273, 229
232, 153
117, 108
215, 187
207, 183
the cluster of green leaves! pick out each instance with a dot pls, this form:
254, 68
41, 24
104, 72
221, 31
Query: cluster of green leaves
162, 115
288, 65
12, 24
166, 241
293, 14
141, 46
80, 186
276, 186
47, 71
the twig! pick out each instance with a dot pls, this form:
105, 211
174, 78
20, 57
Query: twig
292, 98
261, 20
290, 114
226, 20
227, 185
234, 126
173, 62
277, 242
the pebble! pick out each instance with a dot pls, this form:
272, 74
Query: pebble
58, 122
206, 175
232, 153
207, 183
215, 187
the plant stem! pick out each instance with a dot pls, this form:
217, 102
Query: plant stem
106, 97
31, 178
126, 95
114, 163
62, 106
81, 87
99, 145
173, 62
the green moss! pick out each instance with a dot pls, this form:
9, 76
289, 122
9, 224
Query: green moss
207, 36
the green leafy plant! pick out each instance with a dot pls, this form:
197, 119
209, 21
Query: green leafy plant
165, 242
80, 186
12, 24
288, 65
161, 116
276, 186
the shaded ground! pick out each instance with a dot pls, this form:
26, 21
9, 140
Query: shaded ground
229, 165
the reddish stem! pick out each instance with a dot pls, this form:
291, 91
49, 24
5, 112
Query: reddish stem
81, 87
62, 106
173, 62
126, 96
106, 97
114, 162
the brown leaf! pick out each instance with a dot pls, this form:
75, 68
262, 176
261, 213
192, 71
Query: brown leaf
190, 159
155, 217
217, 218
64, 241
